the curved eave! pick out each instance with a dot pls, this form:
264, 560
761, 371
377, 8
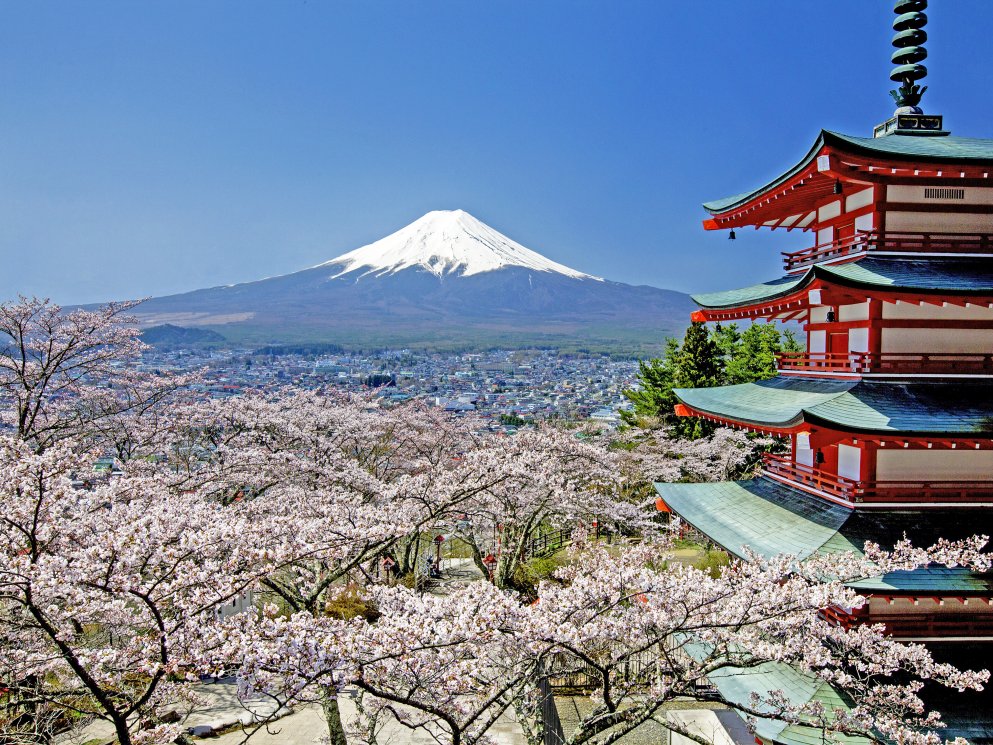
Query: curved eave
784, 404
770, 519
729, 204
755, 295
971, 278
892, 150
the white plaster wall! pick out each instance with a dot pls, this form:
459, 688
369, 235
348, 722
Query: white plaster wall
825, 235
804, 456
938, 222
934, 465
866, 222
849, 460
817, 341
829, 211
818, 314
915, 194
858, 340
858, 200
979, 341
716, 727
855, 312
937, 312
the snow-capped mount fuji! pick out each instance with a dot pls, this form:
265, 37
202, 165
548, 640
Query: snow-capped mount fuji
446, 242
446, 280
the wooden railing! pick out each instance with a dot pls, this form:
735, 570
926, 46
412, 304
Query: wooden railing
783, 469
887, 363
548, 544
869, 241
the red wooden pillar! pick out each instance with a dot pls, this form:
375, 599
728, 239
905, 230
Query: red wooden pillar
875, 340
867, 463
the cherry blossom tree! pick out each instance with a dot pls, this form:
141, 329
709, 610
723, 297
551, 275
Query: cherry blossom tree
551, 479
645, 631
105, 593
111, 594
48, 356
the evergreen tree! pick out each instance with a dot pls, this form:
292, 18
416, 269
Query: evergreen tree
696, 363
654, 398
721, 356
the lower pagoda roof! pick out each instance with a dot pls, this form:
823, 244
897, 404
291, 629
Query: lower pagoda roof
771, 519
959, 276
737, 685
966, 714
860, 406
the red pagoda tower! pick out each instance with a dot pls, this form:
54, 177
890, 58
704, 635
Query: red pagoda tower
889, 411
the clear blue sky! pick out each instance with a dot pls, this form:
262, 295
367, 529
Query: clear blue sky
156, 147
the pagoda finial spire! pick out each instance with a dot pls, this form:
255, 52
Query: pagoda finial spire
909, 40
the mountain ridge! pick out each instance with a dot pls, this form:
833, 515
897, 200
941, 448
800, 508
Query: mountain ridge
447, 279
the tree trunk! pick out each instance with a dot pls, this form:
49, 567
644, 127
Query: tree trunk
336, 731
122, 731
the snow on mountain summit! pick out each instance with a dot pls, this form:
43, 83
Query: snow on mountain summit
446, 242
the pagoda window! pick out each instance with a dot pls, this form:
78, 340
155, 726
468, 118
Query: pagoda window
838, 343
931, 195
845, 231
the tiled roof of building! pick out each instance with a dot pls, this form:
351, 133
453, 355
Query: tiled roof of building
920, 408
966, 714
737, 685
973, 276
770, 518
945, 149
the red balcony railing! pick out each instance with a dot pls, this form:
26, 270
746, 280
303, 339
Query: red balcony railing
868, 492
887, 363
915, 625
785, 469
867, 241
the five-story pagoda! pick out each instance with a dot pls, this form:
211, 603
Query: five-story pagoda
889, 411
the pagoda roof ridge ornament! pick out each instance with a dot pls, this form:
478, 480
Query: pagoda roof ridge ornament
909, 118
909, 42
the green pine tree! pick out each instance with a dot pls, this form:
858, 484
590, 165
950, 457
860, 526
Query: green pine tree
721, 356
696, 363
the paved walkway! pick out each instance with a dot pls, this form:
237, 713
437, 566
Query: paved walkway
306, 726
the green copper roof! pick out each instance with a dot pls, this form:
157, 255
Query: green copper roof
938, 149
923, 408
962, 276
770, 518
966, 714
737, 685
761, 515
